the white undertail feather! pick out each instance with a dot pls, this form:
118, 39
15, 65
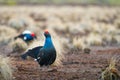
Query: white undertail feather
5, 68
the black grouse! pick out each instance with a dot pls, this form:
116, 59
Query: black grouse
26, 36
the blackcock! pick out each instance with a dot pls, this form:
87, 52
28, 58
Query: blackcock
27, 36
45, 55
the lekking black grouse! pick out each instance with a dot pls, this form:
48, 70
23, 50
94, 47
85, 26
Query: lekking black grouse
26, 36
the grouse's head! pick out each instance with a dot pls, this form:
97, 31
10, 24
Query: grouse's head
33, 35
46, 33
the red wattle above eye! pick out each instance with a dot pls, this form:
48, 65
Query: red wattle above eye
46, 31
32, 34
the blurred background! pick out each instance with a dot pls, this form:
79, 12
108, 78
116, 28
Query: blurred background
60, 2
86, 31
79, 23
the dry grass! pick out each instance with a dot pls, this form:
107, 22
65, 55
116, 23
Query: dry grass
18, 45
19, 22
59, 48
79, 43
111, 72
83, 20
94, 39
5, 68
6, 34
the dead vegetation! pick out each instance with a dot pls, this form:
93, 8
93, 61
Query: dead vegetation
111, 72
75, 30
5, 68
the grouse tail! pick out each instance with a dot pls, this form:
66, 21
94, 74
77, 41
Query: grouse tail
24, 56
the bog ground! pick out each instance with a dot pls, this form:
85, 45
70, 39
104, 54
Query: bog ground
88, 37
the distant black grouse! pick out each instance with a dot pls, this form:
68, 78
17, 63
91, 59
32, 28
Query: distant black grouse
26, 36
44, 55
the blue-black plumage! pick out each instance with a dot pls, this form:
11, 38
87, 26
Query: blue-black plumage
32, 53
26, 36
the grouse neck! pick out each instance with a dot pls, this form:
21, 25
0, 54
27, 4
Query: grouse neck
48, 43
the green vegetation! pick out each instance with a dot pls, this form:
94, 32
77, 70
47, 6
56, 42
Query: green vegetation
115, 2
107, 2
